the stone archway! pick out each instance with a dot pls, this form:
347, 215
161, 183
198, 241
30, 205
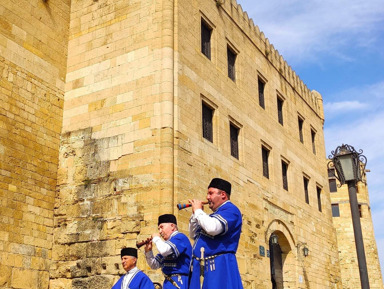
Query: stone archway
282, 255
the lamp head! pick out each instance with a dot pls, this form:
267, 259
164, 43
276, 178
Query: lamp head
348, 163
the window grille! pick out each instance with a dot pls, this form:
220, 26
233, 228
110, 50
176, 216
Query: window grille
261, 93
231, 64
234, 135
318, 189
207, 122
280, 110
301, 122
206, 33
284, 169
265, 156
306, 182
313, 135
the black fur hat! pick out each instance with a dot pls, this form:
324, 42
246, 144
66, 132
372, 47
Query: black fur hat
221, 185
129, 252
167, 218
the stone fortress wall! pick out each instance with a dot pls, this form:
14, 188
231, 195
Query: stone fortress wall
110, 94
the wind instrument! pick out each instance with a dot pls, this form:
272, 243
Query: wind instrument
183, 206
144, 242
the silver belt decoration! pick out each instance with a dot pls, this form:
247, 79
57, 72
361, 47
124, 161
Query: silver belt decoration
209, 262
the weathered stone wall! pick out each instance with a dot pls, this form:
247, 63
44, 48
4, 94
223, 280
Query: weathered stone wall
116, 157
33, 41
346, 240
267, 208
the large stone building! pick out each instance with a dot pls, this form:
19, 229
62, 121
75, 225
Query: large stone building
114, 111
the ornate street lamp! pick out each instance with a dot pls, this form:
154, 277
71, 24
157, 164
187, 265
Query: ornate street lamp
349, 164
305, 251
350, 168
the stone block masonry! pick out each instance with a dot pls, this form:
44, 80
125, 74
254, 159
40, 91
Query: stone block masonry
101, 132
33, 45
30, 125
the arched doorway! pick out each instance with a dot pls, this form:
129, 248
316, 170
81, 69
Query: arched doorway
282, 256
276, 263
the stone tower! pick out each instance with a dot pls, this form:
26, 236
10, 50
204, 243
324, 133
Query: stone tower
342, 220
115, 111
33, 48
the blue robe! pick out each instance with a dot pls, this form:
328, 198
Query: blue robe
220, 272
139, 281
178, 262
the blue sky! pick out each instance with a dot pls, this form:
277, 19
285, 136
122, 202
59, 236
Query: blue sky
337, 48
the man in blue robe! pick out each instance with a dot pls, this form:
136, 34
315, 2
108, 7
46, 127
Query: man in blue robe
134, 278
219, 234
174, 256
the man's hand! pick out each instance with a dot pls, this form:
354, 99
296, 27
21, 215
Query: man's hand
148, 246
196, 204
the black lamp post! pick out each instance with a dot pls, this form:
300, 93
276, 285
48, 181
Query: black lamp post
350, 167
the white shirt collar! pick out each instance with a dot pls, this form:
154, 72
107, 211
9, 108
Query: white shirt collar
221, 205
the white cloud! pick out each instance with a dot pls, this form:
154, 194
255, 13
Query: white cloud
355, 102
366, 133
371, 93
344, 106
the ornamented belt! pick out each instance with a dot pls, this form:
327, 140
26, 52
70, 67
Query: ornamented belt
210, 257
209, 261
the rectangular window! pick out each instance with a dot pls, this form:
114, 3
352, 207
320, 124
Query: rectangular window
306, 182
332, 181
284, 171
335, 210
301, 122
234, 135
206, 33
332, 185
313, 136
331, 173
280, 103
261, 93
231, 56
265, 156
318, 189
207, 122
360, 211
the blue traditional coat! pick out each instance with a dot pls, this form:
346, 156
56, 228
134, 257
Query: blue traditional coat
139, 281
220, 267
178, 262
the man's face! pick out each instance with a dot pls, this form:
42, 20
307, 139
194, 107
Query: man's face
166, 230
215, 198
128, 262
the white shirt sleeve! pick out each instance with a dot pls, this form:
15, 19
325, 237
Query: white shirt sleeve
151, 260
193, 225
163, 248
209, 224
